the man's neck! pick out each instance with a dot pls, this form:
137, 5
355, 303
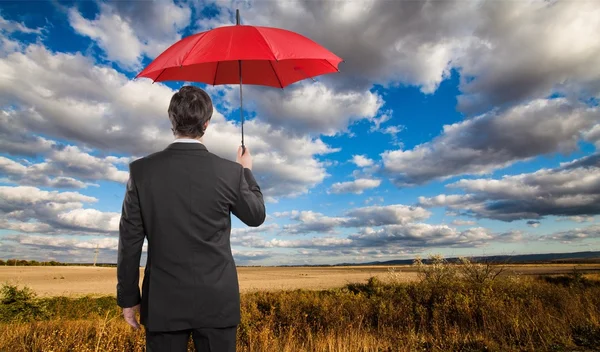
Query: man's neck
184, 137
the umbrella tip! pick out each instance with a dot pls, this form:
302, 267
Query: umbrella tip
237, 16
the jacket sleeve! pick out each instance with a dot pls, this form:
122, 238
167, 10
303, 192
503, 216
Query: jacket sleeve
249, 206
131, 240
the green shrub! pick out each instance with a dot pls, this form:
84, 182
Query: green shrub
20, 305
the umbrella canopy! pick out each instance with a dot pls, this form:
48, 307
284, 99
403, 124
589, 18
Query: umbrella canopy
269, 57
250, 54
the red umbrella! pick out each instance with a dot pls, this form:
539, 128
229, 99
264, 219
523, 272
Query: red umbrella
252, 54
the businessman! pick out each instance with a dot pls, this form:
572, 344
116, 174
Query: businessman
181, 199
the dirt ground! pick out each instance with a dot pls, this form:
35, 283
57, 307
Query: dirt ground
76, 281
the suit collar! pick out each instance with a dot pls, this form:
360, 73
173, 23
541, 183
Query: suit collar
186, 146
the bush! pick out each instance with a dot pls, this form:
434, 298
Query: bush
20, 305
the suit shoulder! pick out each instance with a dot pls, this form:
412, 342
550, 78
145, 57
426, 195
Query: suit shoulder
144, 161
137, 163
226, 163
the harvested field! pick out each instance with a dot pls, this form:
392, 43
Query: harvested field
80, 280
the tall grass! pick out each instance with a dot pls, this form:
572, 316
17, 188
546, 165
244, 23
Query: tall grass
454, 307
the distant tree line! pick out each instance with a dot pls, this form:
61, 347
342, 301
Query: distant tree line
22, 262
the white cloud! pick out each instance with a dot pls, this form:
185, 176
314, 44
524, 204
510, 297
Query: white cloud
114, 35
90, 220
8, 26
60, 168
310, 107
421, 235
531, 49
63, 249
357, 186
373, 200
375, 215
570, 190
362, 161
127, 32
13, 198
493, 140
379, 215
420, 42
593, 135
463, 223
30, 209
576, 218
310, 221
63, 243
574, 235
67, 97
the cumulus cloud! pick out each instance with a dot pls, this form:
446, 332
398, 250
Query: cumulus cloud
463, 222
62, 249
559, 192
24, 175
357, 186
393, 131
391, 41
307, 107
498, 71
8, 27
373, 200
128, 31
64, 168
250, 256
45, 242
533, 223
593, 135
67, 97
379, 215
388, 239
362, 160
511, 236
16, 139
309, 221
30, 209
576, 218
574, 235
421, 235
419, 43
493, 141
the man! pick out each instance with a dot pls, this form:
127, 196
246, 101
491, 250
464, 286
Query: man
180, 199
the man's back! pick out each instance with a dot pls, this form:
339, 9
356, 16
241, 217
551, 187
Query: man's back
185, 196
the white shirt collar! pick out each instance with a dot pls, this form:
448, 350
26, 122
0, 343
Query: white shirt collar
186, 140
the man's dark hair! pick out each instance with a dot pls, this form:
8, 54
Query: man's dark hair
190, 109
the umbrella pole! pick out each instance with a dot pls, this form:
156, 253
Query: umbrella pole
237, 22
241, 108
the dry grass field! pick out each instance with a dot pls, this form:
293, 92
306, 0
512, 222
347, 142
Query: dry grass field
75, 280
426, 307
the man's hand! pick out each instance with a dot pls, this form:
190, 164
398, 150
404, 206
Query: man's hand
129, 315
246, 159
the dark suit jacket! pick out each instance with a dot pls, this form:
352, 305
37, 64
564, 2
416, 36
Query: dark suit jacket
181, 199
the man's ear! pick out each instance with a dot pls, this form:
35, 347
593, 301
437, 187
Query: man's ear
206, 124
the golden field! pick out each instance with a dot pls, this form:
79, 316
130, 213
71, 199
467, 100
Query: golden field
89, 280
425, 307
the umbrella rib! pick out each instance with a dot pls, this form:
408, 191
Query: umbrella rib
216, 70
193, 47
330, 64
276, 75
157, 77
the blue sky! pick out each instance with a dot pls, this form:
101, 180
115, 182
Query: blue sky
455, 128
